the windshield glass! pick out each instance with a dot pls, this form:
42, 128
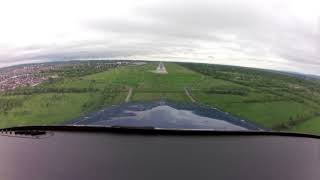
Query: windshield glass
218, 65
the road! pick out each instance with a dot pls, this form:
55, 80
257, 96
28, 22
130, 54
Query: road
188, 94
129, 95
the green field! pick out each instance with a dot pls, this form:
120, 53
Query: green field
311, 126
270, 99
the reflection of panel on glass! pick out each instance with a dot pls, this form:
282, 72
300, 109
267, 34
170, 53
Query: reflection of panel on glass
167, 115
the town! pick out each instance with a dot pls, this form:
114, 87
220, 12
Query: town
30, 75
24, 75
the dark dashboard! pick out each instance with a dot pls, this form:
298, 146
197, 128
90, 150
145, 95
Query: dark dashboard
58, 153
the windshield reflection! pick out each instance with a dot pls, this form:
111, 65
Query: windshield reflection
167, 115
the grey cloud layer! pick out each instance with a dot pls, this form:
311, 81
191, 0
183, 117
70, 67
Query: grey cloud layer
261, 29
256, 29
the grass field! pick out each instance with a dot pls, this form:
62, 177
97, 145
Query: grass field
267, 99
311, 126
110, 87
52, 108
271, 99
268, 114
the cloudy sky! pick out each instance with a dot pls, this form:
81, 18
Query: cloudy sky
273, 34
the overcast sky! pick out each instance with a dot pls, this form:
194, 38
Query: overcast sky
273, 34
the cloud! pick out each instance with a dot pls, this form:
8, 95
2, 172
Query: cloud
270, 34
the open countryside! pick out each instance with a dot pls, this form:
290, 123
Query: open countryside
273, 100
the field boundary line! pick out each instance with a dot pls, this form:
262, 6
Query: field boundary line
129, 95
188, 94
